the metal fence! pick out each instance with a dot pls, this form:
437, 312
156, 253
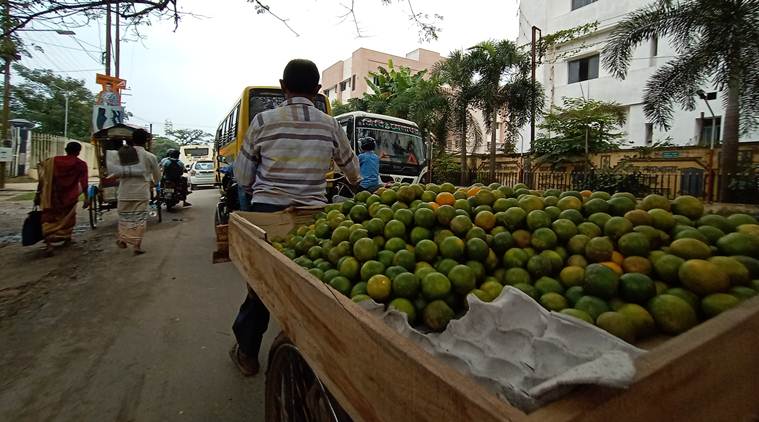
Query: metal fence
744, 186
44, 146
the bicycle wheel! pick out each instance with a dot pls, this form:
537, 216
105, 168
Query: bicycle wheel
94, 209
293, 391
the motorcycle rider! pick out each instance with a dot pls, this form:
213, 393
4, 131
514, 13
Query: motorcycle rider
173, 170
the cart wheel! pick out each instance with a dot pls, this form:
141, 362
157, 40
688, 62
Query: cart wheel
293, 391
94, 211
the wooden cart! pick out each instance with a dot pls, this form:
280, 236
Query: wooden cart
710, 373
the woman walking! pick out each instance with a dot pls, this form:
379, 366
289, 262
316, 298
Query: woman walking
62, 180
140, 172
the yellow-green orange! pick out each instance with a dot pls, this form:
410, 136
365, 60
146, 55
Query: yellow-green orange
641, 319
437, 314
379, 287
716, 303
703, 277
617, 324
672, 314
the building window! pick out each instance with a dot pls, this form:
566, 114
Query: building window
649, 134
605, 161
344, 85
710, 127
583, 69
353, 83
576, 4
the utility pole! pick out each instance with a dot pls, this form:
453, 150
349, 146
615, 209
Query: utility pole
108, 39
7, 43
118, 41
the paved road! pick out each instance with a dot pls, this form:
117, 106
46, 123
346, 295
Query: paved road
96, 334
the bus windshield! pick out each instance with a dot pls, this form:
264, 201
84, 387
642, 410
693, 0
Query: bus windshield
262, 100
196, 152
396, 143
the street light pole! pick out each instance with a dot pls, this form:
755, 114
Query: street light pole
66, 119
710, 171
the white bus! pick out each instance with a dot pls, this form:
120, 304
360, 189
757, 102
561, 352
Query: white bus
402, 152
192, 153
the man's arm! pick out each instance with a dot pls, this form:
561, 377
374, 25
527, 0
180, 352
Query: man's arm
247, 159
84, 178
344, 156
154, 169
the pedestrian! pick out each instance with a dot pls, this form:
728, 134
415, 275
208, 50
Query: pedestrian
62, 180
284, 160
134, 191
369, 162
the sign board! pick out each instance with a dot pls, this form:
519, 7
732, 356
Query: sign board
670, 154
6, 154
105, 116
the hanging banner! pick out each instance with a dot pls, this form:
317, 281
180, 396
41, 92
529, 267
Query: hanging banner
105, 116
108, 110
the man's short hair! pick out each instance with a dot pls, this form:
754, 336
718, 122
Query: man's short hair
73, 148
140, 137
301, 76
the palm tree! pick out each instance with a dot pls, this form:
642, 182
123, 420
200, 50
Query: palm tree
503, 88
457, 72
715, 43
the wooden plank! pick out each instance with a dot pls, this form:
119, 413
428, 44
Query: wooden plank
710, 373
374, 372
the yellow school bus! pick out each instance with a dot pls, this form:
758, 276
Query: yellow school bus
254, 99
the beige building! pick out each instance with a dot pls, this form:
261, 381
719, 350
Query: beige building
346, 79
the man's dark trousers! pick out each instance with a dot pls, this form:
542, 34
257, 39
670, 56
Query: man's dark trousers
253, 318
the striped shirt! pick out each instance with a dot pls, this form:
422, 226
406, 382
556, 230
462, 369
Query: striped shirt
287, 153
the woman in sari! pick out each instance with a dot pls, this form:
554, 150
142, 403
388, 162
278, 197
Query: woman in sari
134, 192
62, 180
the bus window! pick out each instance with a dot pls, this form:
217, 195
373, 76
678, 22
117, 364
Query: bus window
347, 126
396, 147
262, 100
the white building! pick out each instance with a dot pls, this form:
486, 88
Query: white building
575, 69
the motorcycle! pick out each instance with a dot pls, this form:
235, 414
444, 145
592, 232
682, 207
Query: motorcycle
229, 199
170, 192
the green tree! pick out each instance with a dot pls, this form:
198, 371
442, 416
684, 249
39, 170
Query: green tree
715, 43
457, 72
418, 97
40, 97
504, 88
579, 128
161, 145
189, 136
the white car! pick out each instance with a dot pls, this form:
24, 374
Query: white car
202, 173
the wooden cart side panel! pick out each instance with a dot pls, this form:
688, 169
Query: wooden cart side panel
375, 373
710, 373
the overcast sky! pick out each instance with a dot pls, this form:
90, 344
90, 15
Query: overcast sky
192, 76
